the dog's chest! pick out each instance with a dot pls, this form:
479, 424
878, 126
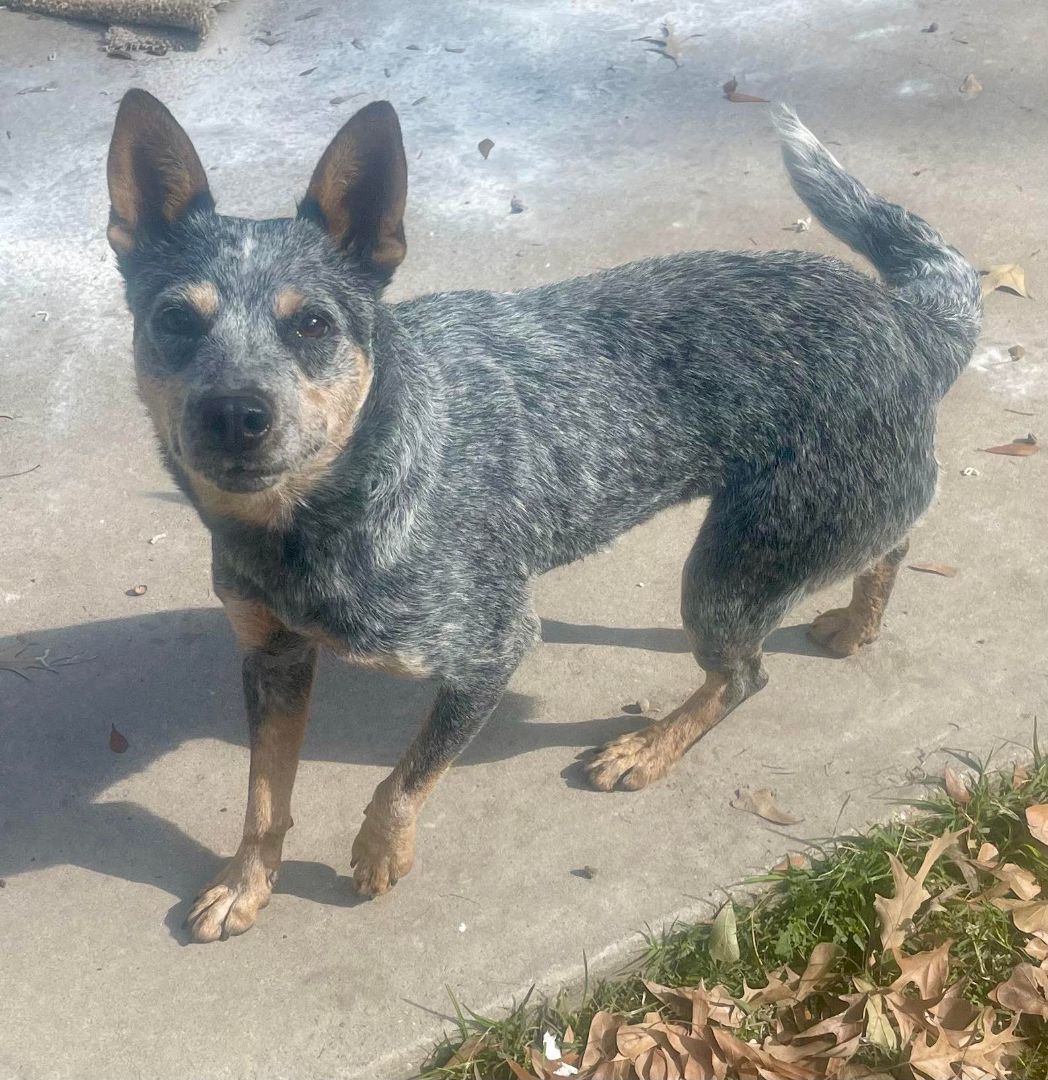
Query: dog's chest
334, 603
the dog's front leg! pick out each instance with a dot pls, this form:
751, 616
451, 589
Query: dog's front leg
278, 678
384, 850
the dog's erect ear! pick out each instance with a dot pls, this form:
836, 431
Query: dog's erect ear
359, 188
155, 176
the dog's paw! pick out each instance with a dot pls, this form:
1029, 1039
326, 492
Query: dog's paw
230, 904
841, 632
381, 856
631, 761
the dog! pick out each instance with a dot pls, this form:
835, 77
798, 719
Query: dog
387, 480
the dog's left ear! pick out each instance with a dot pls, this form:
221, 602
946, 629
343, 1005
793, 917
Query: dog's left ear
359, 189
155, 176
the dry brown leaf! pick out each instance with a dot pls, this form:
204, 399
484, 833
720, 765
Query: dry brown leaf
970, 85
1020, 776
485, 146
731, 92
1026, 991
762, 803
1037, 820
953, 1012
987, 855
691, 1004
745, 1059
518, 1070
996, 1048
793, 861
1037, 948
117, 741
601, 1044
910, 1014
657, 1064
956, 787
633, 1040
894, 913
820, 966
724, 937
778, 989
927, 971
879, 1028
1018, 880
1014, 449
467, 1051
1008, 276
1031, 918
935, 1060
618, 1068
942, 569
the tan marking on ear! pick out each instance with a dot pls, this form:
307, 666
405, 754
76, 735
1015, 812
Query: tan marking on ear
153, 169
203, 297
287, 302
120, 237
360, 185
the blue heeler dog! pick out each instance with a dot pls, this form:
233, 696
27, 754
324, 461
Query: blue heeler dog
387, 480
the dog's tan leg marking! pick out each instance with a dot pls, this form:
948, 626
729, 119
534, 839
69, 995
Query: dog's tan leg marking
278, 675
384, 849
633, 761
844, 631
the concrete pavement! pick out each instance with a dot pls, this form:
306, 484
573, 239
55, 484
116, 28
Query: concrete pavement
616, 154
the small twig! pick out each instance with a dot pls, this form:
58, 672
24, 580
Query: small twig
7, 476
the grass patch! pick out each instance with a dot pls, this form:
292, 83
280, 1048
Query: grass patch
830, 899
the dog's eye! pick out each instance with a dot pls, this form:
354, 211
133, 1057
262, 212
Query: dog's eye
312, 326
179, 322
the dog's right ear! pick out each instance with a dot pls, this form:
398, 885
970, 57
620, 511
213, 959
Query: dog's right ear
155, 176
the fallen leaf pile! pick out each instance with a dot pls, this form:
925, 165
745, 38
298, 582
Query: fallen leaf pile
825, 1022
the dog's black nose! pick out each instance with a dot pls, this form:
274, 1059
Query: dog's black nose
235, 423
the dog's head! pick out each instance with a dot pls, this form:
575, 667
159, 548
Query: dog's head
252, 338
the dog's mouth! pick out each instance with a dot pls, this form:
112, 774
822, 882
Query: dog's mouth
236, 477
243, 479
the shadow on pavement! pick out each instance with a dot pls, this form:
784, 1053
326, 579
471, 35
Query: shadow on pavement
166, 678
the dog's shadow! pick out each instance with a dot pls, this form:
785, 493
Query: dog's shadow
165, 679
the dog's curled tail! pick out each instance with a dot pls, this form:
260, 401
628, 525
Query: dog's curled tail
912, 258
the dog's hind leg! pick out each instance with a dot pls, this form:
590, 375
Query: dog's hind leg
278, 679
843, 631
771, 534
741, 579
